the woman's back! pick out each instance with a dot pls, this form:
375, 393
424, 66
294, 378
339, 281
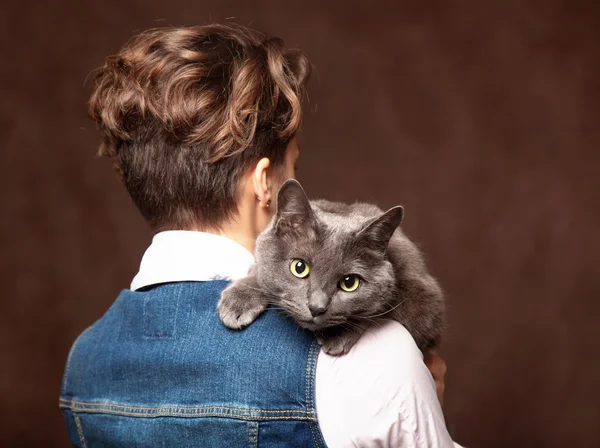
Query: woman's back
159, 369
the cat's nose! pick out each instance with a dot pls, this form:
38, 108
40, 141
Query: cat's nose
316, 310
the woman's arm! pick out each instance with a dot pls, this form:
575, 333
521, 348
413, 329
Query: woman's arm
380, 394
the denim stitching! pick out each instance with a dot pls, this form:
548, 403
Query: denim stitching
192, 412
199, 415
308, 379
79, 430
252, 434
311, 379
314, 425
67, 402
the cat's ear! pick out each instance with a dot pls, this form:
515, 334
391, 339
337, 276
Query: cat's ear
294, 213
377, 233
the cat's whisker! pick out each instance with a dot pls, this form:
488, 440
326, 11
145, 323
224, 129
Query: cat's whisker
370, 322
277, 307
381, 314
353, 325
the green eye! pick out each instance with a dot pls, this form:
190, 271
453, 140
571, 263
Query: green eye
299, 268
349, 283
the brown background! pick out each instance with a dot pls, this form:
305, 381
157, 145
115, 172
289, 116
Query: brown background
481, 117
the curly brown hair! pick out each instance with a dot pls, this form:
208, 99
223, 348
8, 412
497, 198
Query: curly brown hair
185, 111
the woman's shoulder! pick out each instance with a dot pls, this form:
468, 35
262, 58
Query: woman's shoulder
385, 358
382, 390
387, 336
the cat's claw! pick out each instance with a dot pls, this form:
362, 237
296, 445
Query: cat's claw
237, 313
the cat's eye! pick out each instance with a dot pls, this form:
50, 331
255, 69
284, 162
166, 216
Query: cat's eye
299, 268
349, 283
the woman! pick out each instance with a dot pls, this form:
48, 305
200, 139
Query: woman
200, 124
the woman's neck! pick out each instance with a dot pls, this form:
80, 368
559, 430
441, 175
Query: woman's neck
240, 237
240, 231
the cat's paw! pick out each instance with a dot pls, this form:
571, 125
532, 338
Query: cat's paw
336, 343
335, 348
238, 311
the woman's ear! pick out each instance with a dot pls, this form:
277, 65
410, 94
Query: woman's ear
261, 182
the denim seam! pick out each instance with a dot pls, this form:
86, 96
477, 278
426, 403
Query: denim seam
308, 384
313, 359
199, 415
252, 435
79, 430
177, 411
194, 408
307, 378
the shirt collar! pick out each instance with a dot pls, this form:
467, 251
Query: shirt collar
182, 255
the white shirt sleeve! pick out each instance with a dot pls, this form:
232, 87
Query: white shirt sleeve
380, 394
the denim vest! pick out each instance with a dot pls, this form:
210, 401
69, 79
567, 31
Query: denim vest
160, 370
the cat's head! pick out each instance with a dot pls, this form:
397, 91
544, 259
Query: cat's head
323, 267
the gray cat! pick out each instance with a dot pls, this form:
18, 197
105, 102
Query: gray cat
335, 268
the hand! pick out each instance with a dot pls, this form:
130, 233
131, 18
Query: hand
437, 367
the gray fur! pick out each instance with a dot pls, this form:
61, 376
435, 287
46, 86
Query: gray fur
336, 240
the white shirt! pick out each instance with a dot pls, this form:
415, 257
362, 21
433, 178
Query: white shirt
380, 394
